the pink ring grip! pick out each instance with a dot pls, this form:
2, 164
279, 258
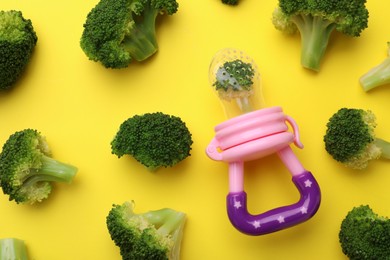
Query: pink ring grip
253, 135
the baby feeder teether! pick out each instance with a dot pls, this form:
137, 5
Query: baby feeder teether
250, 133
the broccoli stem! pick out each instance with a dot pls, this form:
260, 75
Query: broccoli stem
315, 33
172, 223
377, 76
142, 42
166, 220
51, 170
13, 248
384, 146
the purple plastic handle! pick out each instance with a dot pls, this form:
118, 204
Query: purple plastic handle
278, 218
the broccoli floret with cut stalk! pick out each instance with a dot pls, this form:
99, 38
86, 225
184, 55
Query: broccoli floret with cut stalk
152, 235
350, 138
378, 75
27, 168
234, 81
316, 20
365, 235
153, 139
13, 249
116, 32
17, 43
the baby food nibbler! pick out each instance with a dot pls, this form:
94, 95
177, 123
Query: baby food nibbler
252, 132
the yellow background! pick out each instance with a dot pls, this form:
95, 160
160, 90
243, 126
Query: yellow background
78, 105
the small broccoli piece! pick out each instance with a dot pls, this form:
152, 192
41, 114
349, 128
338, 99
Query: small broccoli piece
154, 139
350, 138
153, 235
27, 169
13, 249
118, 31
230, 2
316, 20
17, 42
365, 235
234, 81
378, 75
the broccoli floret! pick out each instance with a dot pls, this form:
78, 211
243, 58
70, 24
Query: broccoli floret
234, 81
13, 249
350, 138
378, 75
154, 139
316, 20
230, 2
118, 31
365, 235
153, 235
17, 42
27, 168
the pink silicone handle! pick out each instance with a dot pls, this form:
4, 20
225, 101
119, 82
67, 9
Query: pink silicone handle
279, 218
